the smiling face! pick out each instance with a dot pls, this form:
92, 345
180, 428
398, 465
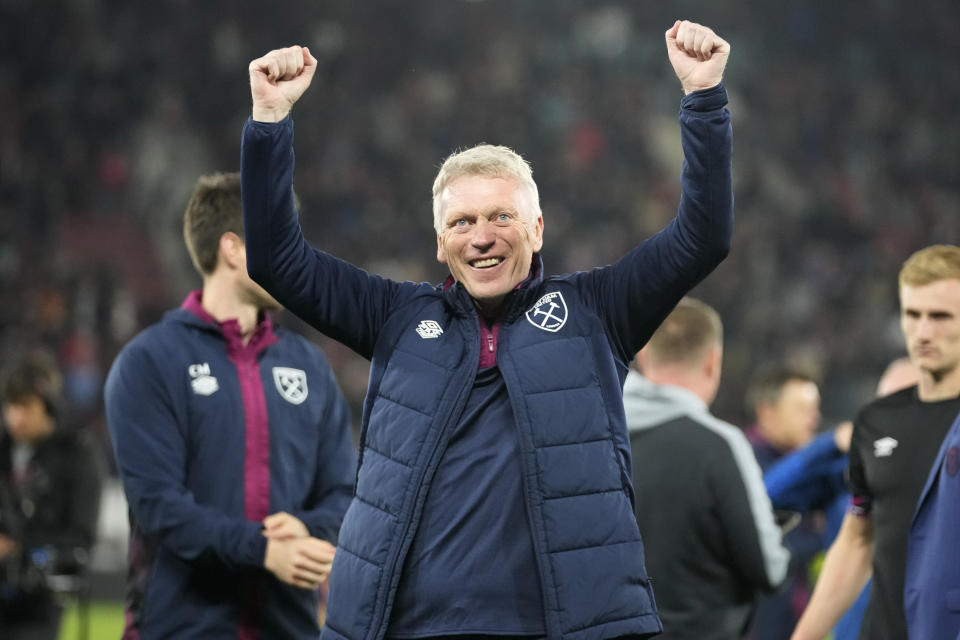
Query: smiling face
488, 236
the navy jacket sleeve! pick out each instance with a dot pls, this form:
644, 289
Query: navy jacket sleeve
333, 478
150, 446
339, 299
636, 293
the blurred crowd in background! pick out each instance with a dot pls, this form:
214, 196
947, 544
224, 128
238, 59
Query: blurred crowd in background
845, 157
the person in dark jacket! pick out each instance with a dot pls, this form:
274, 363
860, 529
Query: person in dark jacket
50, 482
233, 443
493, 494
708, 526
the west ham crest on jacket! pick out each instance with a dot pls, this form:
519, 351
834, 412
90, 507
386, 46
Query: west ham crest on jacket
291, 383
549, 313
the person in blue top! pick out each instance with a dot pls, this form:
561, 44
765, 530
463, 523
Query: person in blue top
493, 494
234, 446
814, 475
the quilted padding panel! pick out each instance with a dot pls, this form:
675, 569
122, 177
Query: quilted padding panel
569, 470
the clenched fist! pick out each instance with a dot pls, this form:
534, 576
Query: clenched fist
278, 79
697, 54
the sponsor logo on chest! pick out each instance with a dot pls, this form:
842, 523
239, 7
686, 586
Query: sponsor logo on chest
429, 329
883, 448
549, 313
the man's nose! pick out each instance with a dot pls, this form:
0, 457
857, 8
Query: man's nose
484, 236
925, 328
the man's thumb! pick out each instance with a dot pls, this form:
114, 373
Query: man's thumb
671, 33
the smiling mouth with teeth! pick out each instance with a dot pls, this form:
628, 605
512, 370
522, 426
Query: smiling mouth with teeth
486, 263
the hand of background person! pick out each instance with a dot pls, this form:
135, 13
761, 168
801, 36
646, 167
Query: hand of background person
697, 54
301, 562
842, 436
278, 79
283, 526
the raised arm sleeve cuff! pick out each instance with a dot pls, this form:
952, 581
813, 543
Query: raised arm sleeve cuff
705, 100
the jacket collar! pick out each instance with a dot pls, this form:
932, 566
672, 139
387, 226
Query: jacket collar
263, 335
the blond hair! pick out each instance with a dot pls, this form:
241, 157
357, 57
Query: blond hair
936, 262
686, 335
490, 161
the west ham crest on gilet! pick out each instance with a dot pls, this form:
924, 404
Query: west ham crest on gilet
291, 383
549, 313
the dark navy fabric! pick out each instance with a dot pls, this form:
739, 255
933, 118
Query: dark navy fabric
474, 525
932, 585
176, 420
564, 378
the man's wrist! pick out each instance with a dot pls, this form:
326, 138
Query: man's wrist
264, 114
708, 99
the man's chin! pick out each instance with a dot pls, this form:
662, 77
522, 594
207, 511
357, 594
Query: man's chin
488, 304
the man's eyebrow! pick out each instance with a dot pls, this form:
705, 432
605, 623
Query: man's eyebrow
486, 212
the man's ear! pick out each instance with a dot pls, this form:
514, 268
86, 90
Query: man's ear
713, 362
230, 250
762, 413
537, 240
441, 252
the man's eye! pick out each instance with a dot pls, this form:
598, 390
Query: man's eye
460, 223
503, 217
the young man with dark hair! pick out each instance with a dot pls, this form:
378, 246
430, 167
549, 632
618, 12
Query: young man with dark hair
785, 401
233, 443
50, 483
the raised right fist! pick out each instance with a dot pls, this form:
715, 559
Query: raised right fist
278, 79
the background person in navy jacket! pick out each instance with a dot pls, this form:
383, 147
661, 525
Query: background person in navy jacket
493, 495
233, 443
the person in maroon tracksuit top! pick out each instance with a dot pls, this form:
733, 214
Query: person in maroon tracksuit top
234, 447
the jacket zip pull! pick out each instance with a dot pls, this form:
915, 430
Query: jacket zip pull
490, 342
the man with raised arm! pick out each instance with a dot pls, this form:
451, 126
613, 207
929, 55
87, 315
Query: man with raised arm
493, 494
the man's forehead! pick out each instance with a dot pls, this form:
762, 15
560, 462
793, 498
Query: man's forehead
476, 183
799, 388
482, 194
937, 295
